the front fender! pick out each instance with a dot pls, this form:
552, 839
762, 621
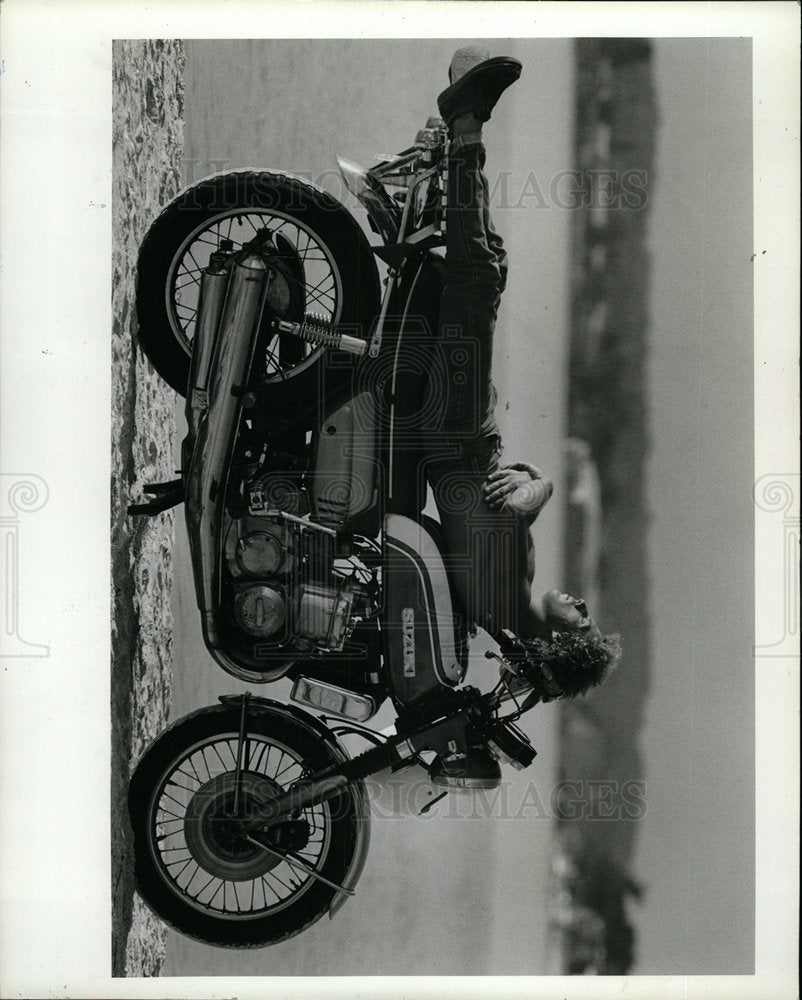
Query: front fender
356, 789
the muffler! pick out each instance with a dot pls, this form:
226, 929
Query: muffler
229, 314
214, 284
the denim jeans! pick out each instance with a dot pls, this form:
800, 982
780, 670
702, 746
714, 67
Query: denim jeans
476, 270
490, 557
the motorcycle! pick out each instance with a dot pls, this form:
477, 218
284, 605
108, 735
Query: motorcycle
259, 299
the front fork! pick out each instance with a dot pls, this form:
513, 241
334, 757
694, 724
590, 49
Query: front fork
445, 735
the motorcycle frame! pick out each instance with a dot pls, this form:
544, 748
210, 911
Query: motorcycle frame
466, 711
209, 439
445, 735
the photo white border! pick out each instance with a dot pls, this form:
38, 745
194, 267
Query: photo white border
55, 247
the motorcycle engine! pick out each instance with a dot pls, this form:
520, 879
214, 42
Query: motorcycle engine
260, 610
294, 579
286, 585
259, 558
324, 614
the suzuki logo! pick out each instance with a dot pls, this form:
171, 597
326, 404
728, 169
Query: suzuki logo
408, 640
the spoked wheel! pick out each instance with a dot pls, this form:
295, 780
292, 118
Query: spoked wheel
198, 869
325, 267
316, 283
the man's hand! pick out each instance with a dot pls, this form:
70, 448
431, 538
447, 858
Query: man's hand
520, 488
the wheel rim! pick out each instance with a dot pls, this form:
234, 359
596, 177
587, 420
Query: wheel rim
322, 292
201, 857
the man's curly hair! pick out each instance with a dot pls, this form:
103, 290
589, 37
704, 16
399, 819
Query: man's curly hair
571, 663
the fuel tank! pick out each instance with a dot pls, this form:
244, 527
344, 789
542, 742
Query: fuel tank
424, 645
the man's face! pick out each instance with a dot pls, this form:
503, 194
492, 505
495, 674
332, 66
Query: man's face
568, 614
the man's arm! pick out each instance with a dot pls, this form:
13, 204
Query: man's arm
520, 488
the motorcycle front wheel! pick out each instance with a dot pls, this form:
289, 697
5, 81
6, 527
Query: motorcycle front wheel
331, 266
194, 867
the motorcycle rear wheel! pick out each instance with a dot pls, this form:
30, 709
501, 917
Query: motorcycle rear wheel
194, 869
340, 276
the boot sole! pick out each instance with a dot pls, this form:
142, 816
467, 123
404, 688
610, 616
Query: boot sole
479, 89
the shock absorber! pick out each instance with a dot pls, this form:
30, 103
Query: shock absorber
317, 329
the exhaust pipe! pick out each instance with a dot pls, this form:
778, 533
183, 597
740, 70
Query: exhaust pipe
218, 408
214, 284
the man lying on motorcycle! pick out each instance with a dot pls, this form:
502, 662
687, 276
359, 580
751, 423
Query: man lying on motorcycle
486, 509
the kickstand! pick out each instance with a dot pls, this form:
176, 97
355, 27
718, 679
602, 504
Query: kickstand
165, 496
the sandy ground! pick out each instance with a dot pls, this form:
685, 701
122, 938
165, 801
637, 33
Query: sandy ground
147, 151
